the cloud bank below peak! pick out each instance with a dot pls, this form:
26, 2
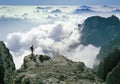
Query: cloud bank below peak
57, 33
51, 39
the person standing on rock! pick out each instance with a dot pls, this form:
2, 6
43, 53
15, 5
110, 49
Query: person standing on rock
32, 49
32, 54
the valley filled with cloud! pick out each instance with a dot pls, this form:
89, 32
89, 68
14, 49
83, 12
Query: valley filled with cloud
53, 30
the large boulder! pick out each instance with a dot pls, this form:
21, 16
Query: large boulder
7, 66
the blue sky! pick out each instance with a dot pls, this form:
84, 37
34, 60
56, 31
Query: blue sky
59, 2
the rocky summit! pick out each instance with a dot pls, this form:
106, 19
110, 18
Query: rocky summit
41, 69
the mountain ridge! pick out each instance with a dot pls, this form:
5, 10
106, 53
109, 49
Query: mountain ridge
99, 31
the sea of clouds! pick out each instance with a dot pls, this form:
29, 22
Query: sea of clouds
57, 34
52, 39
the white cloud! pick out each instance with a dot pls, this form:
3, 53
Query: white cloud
57, 33
85, 54
53, 38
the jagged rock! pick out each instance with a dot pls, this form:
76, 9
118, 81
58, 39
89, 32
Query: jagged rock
99, 31
7, 67
58, 70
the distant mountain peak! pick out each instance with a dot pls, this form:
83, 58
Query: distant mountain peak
100, 30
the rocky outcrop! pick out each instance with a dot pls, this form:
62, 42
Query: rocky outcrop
99, 31
7, 67
107, 64
57, 70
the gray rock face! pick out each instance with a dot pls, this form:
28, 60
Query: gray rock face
58, 70
7, 67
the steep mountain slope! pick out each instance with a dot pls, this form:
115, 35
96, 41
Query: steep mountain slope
7, 67
104, 33
58, 70
107, 62
99, 30
114, 76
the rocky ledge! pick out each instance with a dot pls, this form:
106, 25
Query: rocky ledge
41, 69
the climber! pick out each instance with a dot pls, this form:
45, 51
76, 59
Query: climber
32, 49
